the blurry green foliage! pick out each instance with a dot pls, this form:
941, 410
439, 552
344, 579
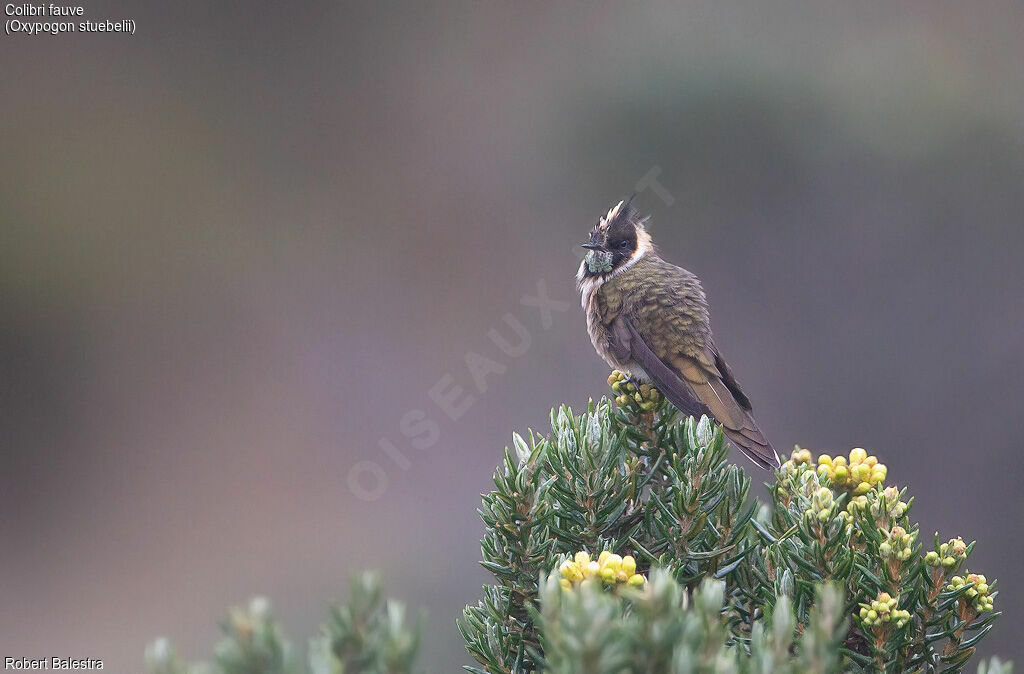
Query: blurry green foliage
365, 635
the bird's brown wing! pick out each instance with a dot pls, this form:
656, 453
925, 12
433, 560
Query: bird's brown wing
698, 381
628, 341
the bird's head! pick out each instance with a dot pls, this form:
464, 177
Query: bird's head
618, 240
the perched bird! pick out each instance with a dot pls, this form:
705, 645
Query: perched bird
650, 318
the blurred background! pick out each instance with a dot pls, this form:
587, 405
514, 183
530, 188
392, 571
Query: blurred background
239, 247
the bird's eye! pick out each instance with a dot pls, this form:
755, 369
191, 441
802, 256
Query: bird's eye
624, 244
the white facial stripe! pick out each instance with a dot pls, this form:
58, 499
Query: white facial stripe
643, 246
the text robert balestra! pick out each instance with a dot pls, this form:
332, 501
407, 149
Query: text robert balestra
53, 663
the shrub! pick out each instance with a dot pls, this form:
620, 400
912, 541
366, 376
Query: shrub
623, 541
635, 480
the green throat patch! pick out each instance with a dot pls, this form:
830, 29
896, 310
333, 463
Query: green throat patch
599, 262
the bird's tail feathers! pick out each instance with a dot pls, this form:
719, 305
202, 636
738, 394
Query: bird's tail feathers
754, 446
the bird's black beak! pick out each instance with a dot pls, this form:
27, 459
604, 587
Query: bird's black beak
591, 246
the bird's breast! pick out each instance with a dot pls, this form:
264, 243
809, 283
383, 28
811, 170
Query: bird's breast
601, 310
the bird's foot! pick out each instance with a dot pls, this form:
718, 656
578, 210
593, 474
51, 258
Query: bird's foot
623, 382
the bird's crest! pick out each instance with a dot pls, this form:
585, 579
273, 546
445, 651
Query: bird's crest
621, 215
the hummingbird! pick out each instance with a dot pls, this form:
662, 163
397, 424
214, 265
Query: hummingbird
650, 318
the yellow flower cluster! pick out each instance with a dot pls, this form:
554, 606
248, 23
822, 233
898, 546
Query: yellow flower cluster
644, 397
948, 555
883, 611
860, 474
897, 544
977, 595
610, 568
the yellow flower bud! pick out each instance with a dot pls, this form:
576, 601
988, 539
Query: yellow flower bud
857, 455
614, 562
841, 473
838, 461
824, 460
871, 461
608, 575
862, 488
582, 558
564, 582
636, 580
605, 554
593, 568
629, 565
